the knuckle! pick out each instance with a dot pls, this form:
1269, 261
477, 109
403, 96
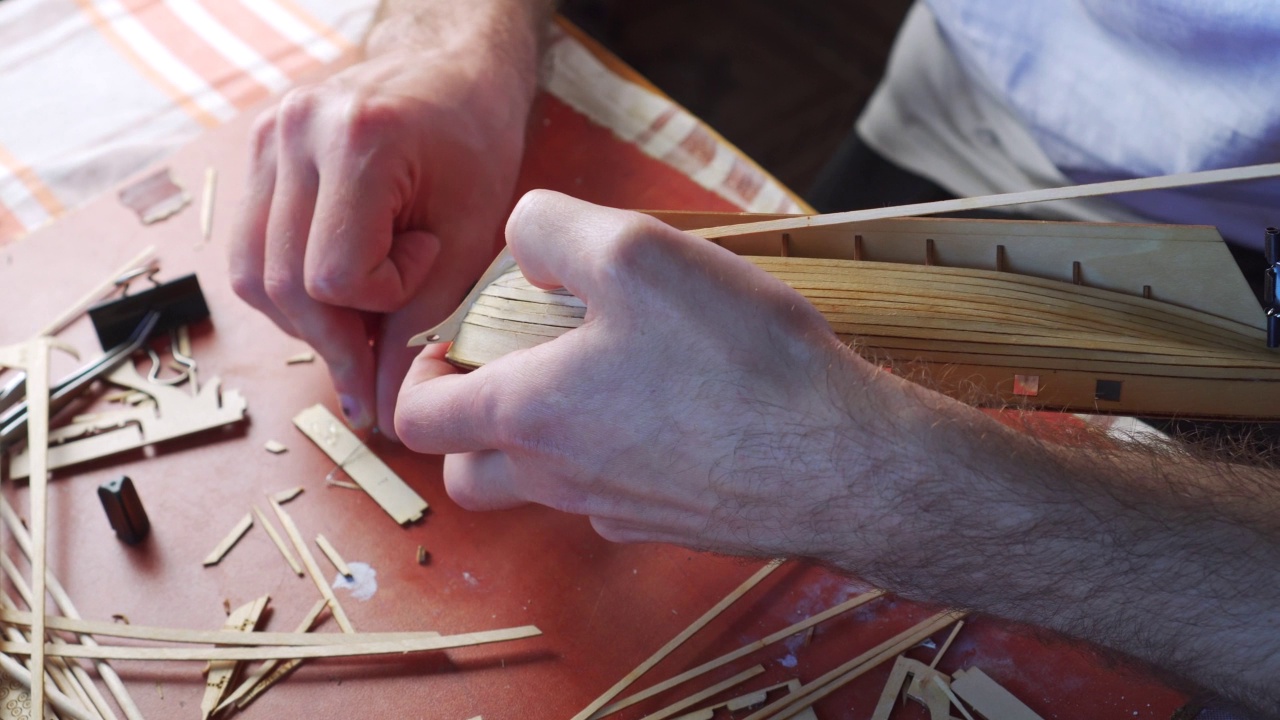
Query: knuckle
296, 109
333, 285
280, 287
368, 121
639, 245
264, 128
246, 286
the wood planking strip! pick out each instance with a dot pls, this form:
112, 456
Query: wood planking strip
68, 609
710, 692
830, 681
741, 652
344, 448
228, 542
677, 641
277, 652
38, 486
988, 697
313, 569
279, 542
60, 702
249, 688
1114, 187
332, 553
220, 673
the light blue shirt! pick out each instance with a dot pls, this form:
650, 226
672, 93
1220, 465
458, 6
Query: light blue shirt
1125, 88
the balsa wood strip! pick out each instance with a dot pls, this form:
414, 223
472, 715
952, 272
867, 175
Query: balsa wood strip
332, 553
38, 454
68, 609
60, 702
988, 697
741, 652
221, 672
215, 556
401, 502
317, 577
832, 680
709, 692
278, 542
276, 652
1164, 182
249, 688
677, 641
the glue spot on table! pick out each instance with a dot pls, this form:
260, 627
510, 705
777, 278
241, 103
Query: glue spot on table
364, 582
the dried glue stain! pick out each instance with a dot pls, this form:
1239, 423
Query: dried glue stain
364, 584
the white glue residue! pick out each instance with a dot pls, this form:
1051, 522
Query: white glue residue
471, 579
364, 584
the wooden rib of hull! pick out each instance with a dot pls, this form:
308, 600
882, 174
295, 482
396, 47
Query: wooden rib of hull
971, 332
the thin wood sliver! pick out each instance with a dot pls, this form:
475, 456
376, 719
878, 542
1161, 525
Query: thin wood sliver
256, 677
68, 609
279, 542
740, 652
276, 652
317, 577
220, 673
228, 542
332, 553
677, 641
710, 692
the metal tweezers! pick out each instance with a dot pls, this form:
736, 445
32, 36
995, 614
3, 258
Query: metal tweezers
13, 406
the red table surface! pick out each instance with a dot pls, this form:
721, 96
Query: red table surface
602, 607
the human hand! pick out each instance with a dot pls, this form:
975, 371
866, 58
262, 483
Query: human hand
702, 401
373, 201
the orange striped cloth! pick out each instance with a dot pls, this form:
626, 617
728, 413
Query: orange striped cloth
92, 91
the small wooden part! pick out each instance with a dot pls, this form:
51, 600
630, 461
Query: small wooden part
300, 359
424, 557
248, 689
313, 569
833, 680
279, 542
935, 681
946, 644
222, 672
930, 253
743, 651
988, 697
285, 496
230, 540
275, 447
677, 641
206, 203
712, 691
332, 553
419, 643
226, 606
1002, 259
341, 484
68, 609
370, 473
920, 683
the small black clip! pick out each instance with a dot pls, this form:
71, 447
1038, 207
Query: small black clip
1271, 248
124, 510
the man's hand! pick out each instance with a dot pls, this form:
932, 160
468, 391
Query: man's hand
375, 196
701, 402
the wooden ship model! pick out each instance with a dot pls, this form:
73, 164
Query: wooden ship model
1151, 320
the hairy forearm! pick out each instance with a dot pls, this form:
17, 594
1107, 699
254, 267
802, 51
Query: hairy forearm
1150, 551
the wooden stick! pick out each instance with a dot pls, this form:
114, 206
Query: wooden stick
313, 569
332, 553
221, 673
279, 541
831, 681
37, 451
740, 652
698, 697
677, 641
60, 702
1071, 192
228, 542
206, 204
420, 643
946, 689
946, 644
64, 604
250, 684
285, 496
56, 671
212, 637
142, 259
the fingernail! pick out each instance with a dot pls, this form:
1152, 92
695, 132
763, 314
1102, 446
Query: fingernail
352, 411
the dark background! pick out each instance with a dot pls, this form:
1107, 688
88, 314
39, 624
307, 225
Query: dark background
783, 80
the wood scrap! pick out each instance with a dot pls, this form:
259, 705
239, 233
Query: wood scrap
988, 697
341, 483
420, 642
322, 584
228, 542
63, 704
68, 609
951, 637
300, 358
912, 678
332, 553
709, 692
146, 259
285, 496
423, 556
265, 676
206, 203
945, 687
279, 542
222, 673
743, 651
57, 670
833, 680
395, 496
275, 447
677, 641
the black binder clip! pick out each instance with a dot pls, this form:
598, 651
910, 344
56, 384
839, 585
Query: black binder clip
1271, 247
